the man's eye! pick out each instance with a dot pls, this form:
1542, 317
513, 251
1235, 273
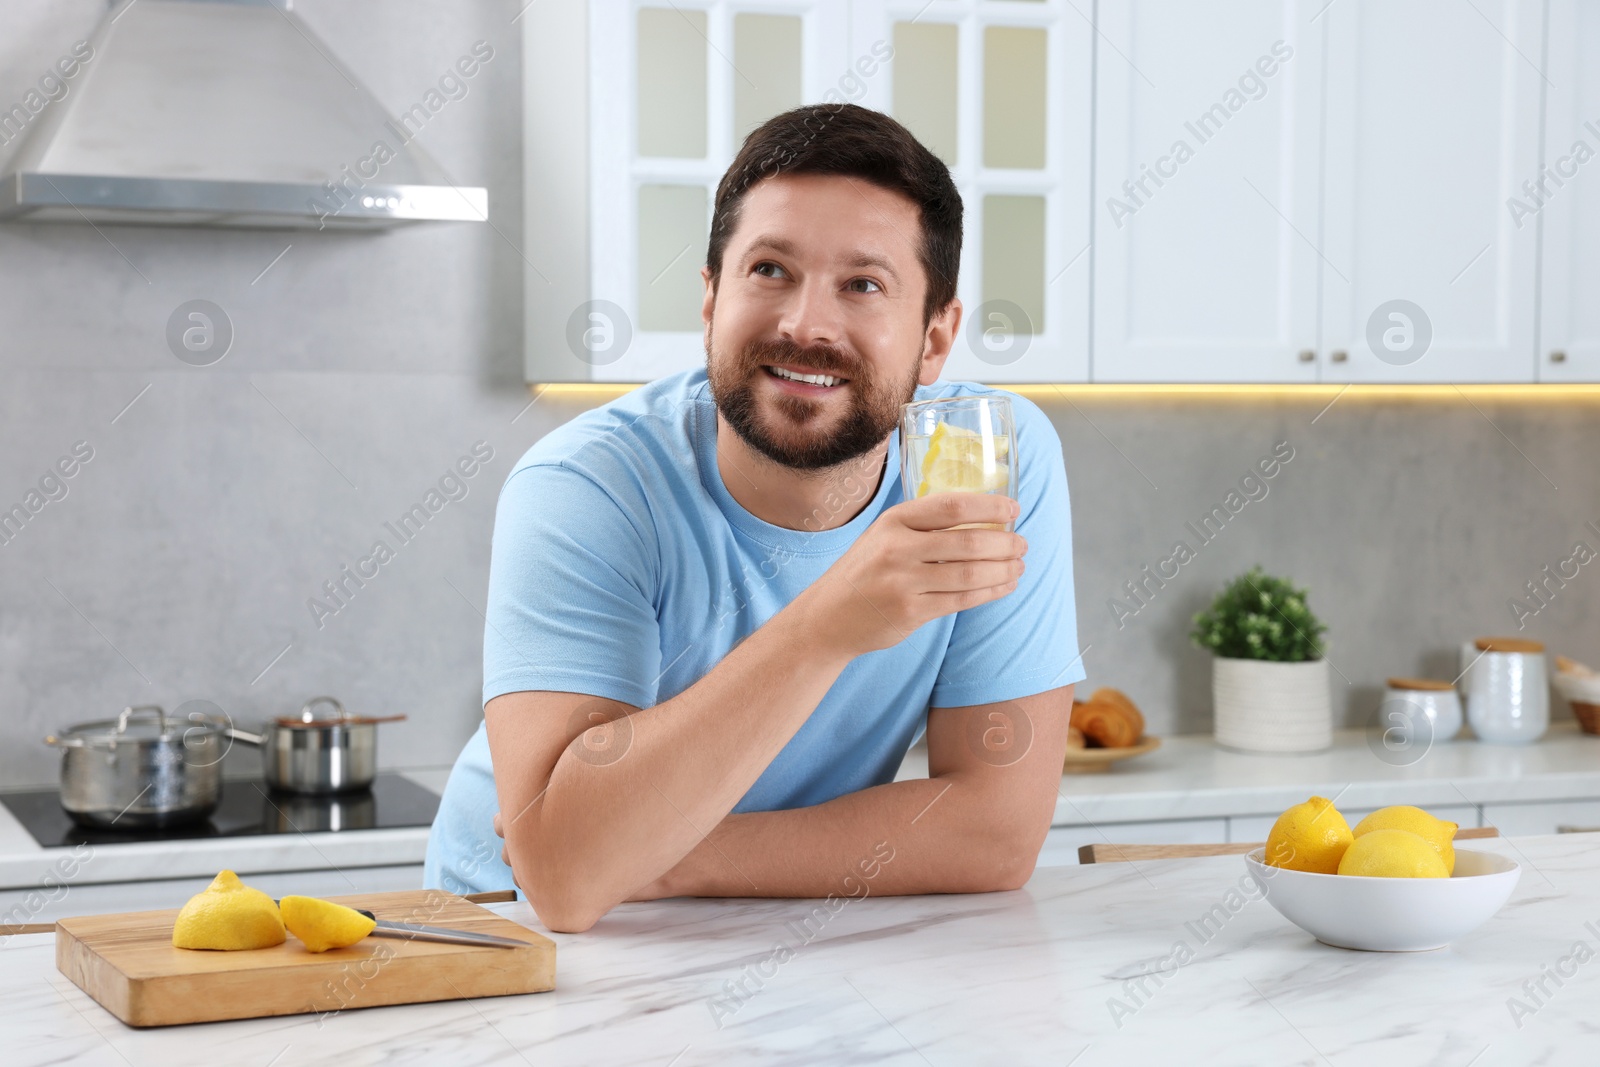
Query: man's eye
767, 264
867, 281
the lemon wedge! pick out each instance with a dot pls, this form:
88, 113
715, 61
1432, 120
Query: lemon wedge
322, 924
228, 915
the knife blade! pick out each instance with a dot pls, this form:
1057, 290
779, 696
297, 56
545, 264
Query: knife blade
419, 932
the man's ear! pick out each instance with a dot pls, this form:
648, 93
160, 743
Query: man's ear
943, 329
708, 304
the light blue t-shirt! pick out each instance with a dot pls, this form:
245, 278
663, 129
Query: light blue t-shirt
623, 568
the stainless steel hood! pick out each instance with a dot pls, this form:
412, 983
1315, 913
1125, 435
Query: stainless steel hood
222, 113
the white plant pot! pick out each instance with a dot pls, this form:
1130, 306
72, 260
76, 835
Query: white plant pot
1262, 706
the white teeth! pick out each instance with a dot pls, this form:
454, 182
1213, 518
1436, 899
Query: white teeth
813, 379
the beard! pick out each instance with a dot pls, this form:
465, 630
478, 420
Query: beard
794, 430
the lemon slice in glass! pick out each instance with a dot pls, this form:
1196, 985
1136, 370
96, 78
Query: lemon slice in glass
955, 462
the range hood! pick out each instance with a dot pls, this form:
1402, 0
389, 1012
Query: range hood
221, 113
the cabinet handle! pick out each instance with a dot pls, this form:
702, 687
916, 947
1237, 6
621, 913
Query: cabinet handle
1558, 356
1307, 355
1340, 356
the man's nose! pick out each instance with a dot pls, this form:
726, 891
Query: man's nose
813, 315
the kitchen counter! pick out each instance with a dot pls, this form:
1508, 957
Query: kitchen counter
1075, 968
1189, 777
24, 864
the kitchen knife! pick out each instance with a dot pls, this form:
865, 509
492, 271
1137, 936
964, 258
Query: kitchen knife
419, 932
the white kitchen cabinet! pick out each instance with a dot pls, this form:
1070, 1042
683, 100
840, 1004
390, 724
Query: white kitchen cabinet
1283, 191
1566, 198
1368, 189
1001, 93
1432, 124
1542, 817
1062, 842
1207, 158
619, 204
634, 109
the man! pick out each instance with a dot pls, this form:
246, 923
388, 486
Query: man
715, 625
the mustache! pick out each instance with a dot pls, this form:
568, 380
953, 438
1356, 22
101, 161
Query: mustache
821, 360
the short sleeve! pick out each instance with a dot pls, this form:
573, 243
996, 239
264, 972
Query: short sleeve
571, 581
1027, 641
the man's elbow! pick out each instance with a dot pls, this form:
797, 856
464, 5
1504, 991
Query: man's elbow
562, 905
563, 920
1014, 875
1012, 861
565, 913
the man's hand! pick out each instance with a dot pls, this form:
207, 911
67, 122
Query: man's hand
910, 566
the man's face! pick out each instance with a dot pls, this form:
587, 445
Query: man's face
821, 277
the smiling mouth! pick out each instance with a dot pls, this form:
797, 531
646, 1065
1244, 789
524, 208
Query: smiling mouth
823, 381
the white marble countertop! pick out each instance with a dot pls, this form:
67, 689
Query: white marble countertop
1025, 977
1191, 778
25, 864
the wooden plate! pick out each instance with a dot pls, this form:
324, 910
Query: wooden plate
1091, 760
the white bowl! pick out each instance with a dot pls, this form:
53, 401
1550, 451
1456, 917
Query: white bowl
1390, 914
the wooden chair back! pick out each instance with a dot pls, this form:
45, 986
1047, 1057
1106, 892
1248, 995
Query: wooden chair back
1110, 853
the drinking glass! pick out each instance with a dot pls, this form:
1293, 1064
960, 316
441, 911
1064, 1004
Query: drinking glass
959, 444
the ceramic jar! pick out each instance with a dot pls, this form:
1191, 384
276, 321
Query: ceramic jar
1508, 691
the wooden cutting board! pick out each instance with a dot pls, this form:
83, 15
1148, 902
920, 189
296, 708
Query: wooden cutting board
128, 964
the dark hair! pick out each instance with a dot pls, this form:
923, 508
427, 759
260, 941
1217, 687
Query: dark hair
851, 141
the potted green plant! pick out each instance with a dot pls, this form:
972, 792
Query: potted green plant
1269, 679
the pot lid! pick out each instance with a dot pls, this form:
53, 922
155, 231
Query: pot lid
308, 719
146, 722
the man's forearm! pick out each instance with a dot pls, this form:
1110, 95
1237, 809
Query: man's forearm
582, 836
689, 761
902, 838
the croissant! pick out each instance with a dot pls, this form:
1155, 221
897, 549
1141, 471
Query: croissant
1109, 719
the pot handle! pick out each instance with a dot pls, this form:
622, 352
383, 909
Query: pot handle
245, 736
130, 711
307, 715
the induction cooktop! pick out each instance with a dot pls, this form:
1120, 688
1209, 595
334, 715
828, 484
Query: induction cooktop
247, 807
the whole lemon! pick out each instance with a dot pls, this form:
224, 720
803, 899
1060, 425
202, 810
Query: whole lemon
1311, 837
1392, 854
322, 924
1437, 832
228, 915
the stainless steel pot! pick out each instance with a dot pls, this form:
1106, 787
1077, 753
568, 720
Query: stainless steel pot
136, 772
312, 755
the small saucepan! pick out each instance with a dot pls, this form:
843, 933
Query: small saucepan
307, 754
142, 770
